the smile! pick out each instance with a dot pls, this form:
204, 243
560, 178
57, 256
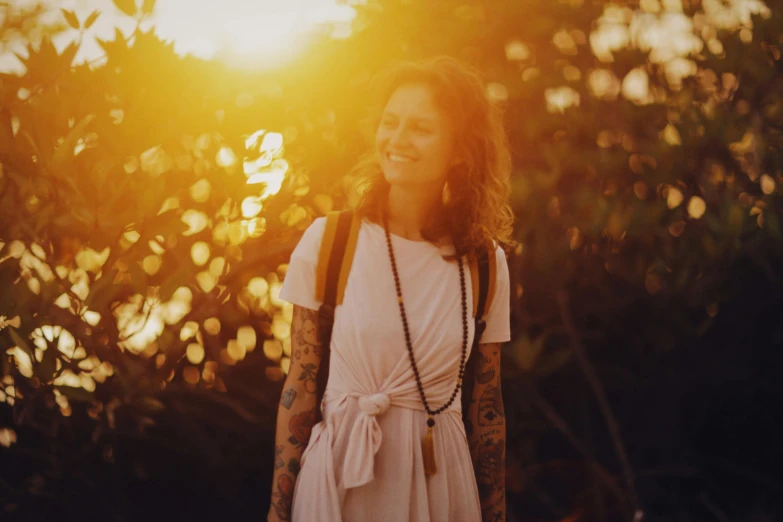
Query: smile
397, 158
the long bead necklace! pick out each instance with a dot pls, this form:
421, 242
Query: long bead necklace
428, 451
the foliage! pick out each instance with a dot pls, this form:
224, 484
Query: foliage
144, 237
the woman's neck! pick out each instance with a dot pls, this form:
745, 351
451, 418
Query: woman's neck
409, 210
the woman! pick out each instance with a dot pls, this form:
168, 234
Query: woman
437, 189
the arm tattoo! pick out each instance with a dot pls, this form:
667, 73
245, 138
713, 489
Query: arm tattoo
301, 425
278, 459
485, 371
294, 466
287, 399
491, 407
309, 373
306, 332
490, 463
283, 497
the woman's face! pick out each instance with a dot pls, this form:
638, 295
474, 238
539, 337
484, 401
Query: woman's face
414, 139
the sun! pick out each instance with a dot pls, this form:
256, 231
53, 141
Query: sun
246, 33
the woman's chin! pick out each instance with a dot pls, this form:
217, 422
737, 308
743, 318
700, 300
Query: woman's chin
394, 177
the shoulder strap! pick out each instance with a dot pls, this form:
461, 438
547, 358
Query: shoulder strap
335, 258
483, 275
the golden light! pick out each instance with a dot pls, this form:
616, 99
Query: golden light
263, 32
517, 51
7, 437
674, 198
255, 227
767, 184
273, 349
236, 350
201, 190
199, 253
258, 286
603, 82
635, 86
195, 353
671, 135
225, 157
560, 98
237, 233
196, 220
251, 207
246, 336
91, 260
217, 265
191, 374
281, 329
206, 281
188, 330
23, 362
212, 325
91, 318
696, 207
151, 264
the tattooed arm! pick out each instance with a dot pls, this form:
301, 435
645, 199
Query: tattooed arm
296, 412
487, 434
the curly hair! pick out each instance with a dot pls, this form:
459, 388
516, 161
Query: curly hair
475, 208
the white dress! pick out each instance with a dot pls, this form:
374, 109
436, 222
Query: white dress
364, 461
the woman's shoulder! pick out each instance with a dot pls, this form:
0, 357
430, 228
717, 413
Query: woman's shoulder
310, 242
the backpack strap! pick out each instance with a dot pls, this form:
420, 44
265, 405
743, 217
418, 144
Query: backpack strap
483, 276
335, 258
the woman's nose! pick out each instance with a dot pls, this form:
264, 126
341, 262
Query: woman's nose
399, 137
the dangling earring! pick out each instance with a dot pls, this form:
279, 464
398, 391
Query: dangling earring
446, 196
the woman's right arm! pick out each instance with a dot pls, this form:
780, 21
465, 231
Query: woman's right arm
296, 411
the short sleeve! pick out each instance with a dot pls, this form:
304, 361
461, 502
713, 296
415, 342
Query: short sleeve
299, 283
499, 312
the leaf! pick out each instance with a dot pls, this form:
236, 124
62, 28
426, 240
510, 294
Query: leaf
21, 342
166, 223
6, 131
71, 18
76, 394
45, 369
102, 291
65, 150
91, 19
126, 6
148, 7
150, 404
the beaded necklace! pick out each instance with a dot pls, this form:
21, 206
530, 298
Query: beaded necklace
428, 451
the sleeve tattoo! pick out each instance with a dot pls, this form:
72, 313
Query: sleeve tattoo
486, 430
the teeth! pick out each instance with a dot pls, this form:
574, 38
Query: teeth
401, 159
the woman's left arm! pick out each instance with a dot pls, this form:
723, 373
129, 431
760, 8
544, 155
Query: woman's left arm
486, 428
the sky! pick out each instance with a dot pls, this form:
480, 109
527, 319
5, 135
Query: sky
254, 33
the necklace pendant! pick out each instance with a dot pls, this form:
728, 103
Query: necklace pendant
428, 449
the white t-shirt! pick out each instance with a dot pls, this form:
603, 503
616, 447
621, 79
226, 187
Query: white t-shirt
428, 281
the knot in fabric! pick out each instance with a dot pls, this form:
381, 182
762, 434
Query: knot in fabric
375, 404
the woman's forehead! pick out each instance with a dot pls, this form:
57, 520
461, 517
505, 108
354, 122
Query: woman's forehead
414, 101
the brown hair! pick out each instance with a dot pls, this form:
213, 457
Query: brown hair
475, 207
